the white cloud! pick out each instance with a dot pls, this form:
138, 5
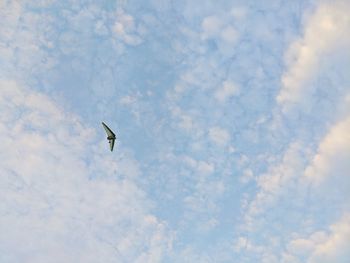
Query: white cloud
205, 191
211, 26
205, 168
325, 32
184, 119
202, 167
222, 31
247, 176
21, 37
63, 199
205, 194
10, 12
239, 13
101, 28
299, 168
302, 247
227, 90
323, 246
125, 29
229, 34
333, 156
129, 99
189, 255
219, 136
281, 174
278, 181
336, 247
243, 243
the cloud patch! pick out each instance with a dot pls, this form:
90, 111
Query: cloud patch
325, 34
126, 29
322, 246
62, 194
227, 90
332, 157
219, 136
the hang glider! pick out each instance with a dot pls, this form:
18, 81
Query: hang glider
110, 136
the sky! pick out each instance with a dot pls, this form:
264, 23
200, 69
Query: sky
232, 121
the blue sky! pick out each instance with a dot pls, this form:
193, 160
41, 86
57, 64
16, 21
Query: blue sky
232, 122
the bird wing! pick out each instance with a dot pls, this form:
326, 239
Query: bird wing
108, 130
111, 144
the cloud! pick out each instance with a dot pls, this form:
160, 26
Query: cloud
276, 182
247, 176
335, 247
183, 119
229, 34
201, 167
224, 64
219, 136
323, 246
10, 12
220, 32
219, 28
64, 199
325, 35
287, 181
332, 157
315, 180
207, 188
302, 247
227, 90
211, 26
125, 29
21, 38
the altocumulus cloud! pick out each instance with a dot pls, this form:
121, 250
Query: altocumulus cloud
325, 40
62, 200
322, 246
245, 160
312, 173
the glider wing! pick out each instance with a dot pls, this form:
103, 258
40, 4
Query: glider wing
108, 130
111, 144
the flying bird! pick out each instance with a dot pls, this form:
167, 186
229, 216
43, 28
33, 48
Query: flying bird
110, 136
